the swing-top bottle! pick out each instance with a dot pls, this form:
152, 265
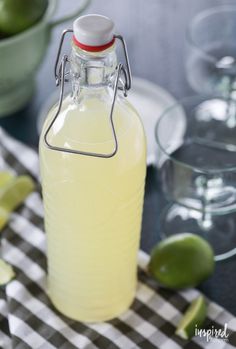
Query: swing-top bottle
93, 165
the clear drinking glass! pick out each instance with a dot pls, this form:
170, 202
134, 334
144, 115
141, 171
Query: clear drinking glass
211, 62
197, 169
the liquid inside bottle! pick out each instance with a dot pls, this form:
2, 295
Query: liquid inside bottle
93, 206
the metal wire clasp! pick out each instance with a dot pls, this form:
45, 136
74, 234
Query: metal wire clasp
60, 76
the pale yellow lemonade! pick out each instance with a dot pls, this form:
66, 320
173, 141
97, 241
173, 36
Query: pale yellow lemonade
93, 207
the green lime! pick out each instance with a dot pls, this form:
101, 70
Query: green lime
6, 273
5, 178
182, 260
15, 192
4, 217
18, 15
192, 319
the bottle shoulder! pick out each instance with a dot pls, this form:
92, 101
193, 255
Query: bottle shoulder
88, 122
124, 101
129, 110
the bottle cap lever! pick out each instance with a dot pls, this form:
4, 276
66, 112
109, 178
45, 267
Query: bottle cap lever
126, 71
60, 76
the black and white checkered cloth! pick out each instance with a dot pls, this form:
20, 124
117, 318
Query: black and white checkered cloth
27, 318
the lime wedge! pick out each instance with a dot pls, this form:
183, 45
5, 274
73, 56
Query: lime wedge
193, 318
6, 273
5, 178
13, 194
4, 217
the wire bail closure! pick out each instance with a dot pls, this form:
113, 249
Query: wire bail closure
61, 77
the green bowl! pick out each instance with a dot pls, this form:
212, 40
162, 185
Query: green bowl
21, 55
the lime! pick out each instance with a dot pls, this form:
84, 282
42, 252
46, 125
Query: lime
6, 273
4, 217
193, 318
5, 178
182, 260
15, 192
16, 16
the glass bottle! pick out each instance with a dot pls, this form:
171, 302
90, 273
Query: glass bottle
93, 180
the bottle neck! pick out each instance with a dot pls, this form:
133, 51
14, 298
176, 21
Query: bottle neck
92, 71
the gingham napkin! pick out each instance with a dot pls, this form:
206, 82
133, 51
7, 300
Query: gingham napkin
27, 318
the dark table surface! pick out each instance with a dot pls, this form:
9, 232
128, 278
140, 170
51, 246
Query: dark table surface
155, 34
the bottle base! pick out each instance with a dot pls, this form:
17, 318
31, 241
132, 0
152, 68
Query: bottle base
106, 316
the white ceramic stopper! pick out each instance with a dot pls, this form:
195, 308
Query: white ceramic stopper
93, 30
